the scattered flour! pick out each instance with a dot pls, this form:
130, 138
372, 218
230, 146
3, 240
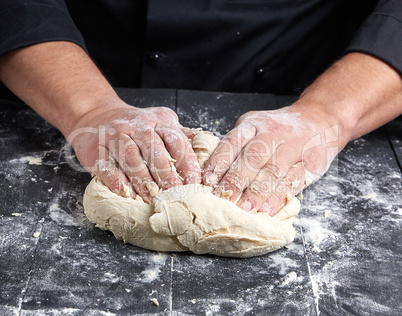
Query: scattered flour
292, 278
61, 217
151, 273
110, 277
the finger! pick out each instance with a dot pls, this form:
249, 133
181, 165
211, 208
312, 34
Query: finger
226, 153
108, 170
126, 152
292, 184
157, 158
252, 161
270, 179
273, 199
179, 148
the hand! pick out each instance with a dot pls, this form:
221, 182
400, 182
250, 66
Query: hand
272, 155
131, 149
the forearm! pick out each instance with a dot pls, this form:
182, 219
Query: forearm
359, 91
58, 80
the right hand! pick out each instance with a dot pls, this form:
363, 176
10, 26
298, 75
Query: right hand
129, 147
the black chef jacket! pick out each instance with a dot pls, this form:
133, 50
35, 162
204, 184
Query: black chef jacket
275, 46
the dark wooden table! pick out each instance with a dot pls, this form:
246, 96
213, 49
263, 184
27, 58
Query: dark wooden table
348, 263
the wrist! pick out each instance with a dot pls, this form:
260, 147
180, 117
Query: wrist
330, 113
84, 112
331, 124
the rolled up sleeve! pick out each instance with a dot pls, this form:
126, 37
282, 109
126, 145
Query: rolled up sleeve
25, 23
380, 34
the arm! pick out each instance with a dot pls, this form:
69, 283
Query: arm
361, 91
267, 156
116, 141
57, 80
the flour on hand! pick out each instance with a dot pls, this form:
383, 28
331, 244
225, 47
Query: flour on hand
190, 217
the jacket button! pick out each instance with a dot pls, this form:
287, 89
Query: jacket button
259, 72
154, 57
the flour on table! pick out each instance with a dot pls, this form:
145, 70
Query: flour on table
190, 217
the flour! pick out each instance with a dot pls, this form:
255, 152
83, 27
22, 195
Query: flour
151, 273
282, 263
292, 278
37, 158
62, 218
318, 232
355, 192
282, 117
110, 277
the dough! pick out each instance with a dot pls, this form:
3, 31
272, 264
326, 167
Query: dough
190, 217
203, 146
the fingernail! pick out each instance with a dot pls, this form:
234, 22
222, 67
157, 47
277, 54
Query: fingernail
246, 206
272, 210
269, 206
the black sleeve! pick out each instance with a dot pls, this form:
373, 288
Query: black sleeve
28, 22
380, 34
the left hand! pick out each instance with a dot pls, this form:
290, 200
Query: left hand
266, 158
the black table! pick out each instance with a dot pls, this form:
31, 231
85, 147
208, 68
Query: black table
53, 261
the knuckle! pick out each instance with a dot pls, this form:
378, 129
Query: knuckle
293, 182
120, 135
168, 179
254, 156
150, 145
274, 170
220, 165
258, 191
131, 151
147, 145
105, 166
166, 112
134, 167
234, 182
235, 139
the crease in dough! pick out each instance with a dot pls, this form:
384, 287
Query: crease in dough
190, 218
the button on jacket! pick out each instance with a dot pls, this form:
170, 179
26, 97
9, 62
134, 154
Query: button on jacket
273, 46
